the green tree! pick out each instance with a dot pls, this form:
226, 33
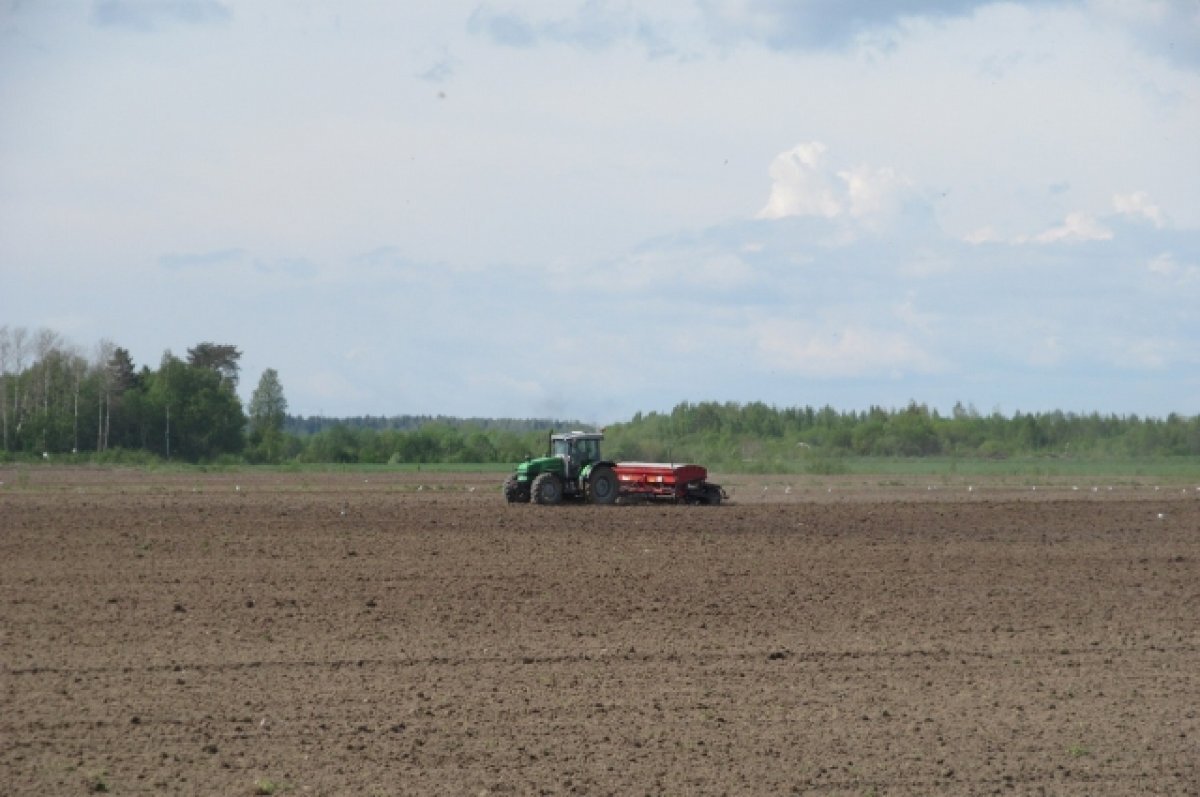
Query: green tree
219, 357
268, 411
194, 414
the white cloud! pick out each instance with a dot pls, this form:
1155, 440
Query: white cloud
1138, 204
873, 192
1078, 227
1166, 266
983, 235
802, 185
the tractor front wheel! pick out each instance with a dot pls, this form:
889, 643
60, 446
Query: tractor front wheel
602, 485
547, 489
513, 491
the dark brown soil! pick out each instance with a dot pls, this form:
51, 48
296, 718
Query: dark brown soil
413, 634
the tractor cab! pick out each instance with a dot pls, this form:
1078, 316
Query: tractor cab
577, 450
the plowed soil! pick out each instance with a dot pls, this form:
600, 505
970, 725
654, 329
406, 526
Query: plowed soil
396, 633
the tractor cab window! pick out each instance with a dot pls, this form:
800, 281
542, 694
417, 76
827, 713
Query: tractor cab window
587, 450
558, 448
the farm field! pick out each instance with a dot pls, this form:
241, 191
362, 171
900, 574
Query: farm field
411, 633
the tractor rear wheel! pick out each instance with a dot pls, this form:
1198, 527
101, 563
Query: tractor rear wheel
713, 496
602, 485
547, 489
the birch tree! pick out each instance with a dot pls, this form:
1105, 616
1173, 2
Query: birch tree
104, 354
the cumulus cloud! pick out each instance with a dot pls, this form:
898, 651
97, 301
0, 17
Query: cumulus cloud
873, 192
1138, 204
1082, 227
983, 235
803, 183
1168, 267
1076, 228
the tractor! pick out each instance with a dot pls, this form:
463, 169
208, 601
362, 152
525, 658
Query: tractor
572, 469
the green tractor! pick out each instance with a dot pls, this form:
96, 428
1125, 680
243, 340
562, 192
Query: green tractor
572, 469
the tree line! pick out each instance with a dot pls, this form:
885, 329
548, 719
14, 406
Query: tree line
733, 434
307, 425
56, 399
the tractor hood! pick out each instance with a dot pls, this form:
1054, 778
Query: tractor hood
531, 468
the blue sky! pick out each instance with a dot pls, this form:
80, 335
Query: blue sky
586, 209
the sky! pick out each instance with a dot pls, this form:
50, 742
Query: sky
555, 208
